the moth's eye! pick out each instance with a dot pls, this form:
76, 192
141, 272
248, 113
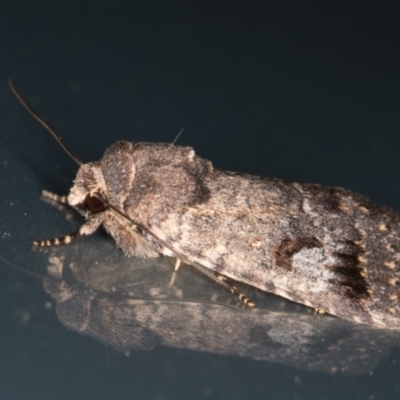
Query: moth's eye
94, 204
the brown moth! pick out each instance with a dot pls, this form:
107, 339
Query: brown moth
327, 248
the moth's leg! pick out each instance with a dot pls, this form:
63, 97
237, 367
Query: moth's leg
56, 241
172, 280
59, 202
213, 275
177, 264
54, 197
234, 290
222, 280
86, 229
176, 267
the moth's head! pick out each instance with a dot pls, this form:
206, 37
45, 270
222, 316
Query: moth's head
89, 195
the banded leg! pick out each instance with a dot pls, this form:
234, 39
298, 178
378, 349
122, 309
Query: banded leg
86, 229
222, 280
54, 197
59, 202
56, 241
234, 290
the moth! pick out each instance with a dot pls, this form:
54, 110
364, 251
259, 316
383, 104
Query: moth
327, 248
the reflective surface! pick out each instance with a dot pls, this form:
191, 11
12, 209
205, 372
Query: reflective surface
138, 305
302, 92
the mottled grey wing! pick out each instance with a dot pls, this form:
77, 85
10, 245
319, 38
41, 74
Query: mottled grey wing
327, 248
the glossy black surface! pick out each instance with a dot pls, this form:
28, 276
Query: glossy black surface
305, 91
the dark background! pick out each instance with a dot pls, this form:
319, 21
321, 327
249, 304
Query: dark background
303, 90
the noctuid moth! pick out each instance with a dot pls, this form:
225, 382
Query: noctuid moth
327, 248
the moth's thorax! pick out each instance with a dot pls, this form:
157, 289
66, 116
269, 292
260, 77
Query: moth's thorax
147, 180
139, 184
118, 169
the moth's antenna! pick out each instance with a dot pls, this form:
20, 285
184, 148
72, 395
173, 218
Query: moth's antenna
177, 136
21, 269
44, 123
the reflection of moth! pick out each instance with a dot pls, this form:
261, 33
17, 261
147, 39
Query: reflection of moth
110, 298
327, 248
